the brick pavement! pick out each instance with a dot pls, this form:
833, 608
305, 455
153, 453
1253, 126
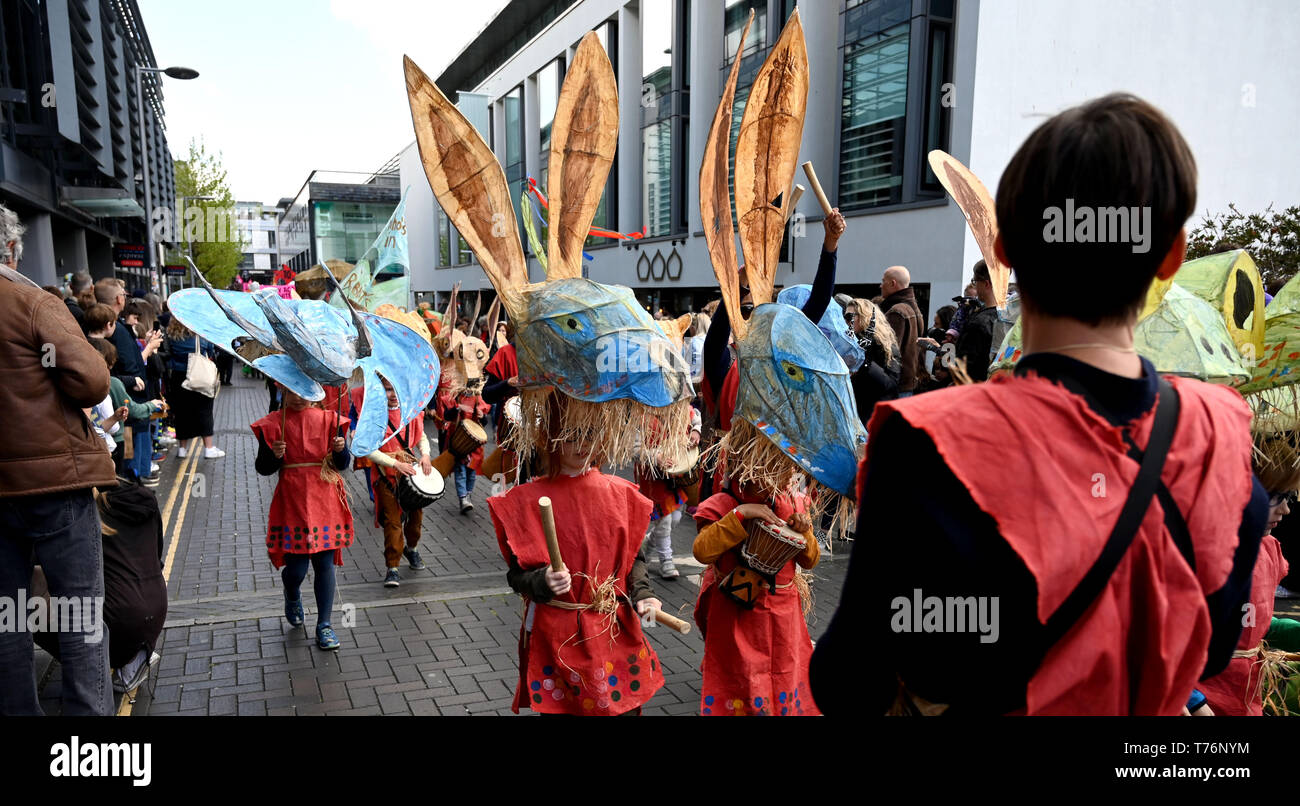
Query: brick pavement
444, 643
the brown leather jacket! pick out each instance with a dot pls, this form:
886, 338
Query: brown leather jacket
48, 374
905, 318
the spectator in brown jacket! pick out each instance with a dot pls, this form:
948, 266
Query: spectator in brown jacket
48, 468
904, 316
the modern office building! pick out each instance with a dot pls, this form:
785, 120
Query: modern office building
336, 215
73, 156
889, 80
258, 224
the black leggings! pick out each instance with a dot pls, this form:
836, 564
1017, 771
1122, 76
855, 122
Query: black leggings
295, 571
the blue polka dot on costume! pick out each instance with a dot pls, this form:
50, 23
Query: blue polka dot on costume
708, 700
758, 702
613, 681
708, 711
781, 696
548, 670
535, 685
785, 711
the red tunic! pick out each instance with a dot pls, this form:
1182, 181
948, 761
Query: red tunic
574, 662
307, 514
1141, 646
755, 661
1236, 690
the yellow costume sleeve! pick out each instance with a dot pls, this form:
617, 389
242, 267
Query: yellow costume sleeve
718, 538
809, 557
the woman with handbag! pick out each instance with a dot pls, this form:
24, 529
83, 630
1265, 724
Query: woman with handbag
190, 375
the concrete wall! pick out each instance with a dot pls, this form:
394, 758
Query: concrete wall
1225, 74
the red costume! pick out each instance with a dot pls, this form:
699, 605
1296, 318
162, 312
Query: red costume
411, 434
1152, 615
1236, 690
307, 514
580, 661
755, 660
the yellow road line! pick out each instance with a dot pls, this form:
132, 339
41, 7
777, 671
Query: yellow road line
185, 463
187, 469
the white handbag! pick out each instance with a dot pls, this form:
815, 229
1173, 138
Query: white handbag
201, 373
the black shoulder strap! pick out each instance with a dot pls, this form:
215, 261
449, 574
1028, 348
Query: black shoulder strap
1130, 519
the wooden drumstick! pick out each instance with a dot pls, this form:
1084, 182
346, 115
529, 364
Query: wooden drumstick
817, 188
795, 196
672, 622
548, 526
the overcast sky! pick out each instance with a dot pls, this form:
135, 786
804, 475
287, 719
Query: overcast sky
289, 86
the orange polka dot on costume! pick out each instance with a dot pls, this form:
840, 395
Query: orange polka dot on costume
609, 667
642, 653
588, 703
737, 705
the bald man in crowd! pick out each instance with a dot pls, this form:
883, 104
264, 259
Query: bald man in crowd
905, 318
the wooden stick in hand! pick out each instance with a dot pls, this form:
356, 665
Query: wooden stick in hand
817, 188
672, 622
548, 526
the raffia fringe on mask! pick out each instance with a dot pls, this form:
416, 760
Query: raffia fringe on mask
615, 429
747, 455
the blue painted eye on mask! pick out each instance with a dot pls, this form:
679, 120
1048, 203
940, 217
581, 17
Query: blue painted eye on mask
596, 343
832, 324
794, 388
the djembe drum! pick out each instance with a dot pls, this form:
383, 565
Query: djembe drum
467, 437
762, 556
419, 491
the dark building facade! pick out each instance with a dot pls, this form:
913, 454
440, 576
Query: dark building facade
73, 155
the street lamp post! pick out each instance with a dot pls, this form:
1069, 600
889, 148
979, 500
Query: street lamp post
185, 74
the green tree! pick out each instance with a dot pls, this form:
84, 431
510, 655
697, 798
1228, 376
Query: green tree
208, 226
1271, 238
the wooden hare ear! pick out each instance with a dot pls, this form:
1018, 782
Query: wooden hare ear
478, 303
584, 136
767, 152
715, 199
467, 180
452, 305
977, 205
494, 316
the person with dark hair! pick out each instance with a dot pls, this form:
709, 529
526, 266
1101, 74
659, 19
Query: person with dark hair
78, 286
975, 342
191, 411
1117, 567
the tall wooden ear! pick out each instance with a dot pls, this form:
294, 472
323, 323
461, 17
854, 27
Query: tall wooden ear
478, 303
976, 203
467, 181
584, 137
767, 153
715, 198
452, 305
494, 316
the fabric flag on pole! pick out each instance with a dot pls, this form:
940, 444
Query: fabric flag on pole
383, 275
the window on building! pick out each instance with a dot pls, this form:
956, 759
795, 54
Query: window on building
664, 107
444, 237
513, 108
896, 99
874, 104
549, 79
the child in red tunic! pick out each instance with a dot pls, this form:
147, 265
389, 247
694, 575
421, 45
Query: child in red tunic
755, 660
575, 658
398, 457
310, 521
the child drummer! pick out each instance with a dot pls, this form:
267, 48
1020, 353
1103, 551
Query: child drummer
396, 458
755, 656
310, 522
581, 647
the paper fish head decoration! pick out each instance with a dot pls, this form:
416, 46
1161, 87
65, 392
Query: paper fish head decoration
795, 418
308, 344
833, 325
566, 325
